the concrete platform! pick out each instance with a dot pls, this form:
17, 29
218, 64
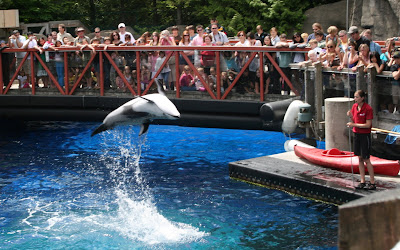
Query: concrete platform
289, 173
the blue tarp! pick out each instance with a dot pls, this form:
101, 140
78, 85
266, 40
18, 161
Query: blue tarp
390, 139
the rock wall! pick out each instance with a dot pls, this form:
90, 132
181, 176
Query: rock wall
381, 16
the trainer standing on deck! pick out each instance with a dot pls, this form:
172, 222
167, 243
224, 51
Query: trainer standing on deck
362, 115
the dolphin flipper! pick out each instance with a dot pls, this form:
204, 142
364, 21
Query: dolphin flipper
143, 128
99, 129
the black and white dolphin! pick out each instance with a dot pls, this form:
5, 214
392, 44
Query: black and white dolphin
141, 111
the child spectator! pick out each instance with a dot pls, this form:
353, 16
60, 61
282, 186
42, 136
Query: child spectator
284, 61
212, 79
331, 58
333, 36
375, 61
165, 70
224, 81
305, 37
59, 59
197, 82
319, 36
314, 46
128, 77
145, 76
186, 81
23, 80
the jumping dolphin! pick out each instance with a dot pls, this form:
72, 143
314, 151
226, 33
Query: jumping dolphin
141, 111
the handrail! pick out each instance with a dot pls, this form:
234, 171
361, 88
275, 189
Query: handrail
176, 51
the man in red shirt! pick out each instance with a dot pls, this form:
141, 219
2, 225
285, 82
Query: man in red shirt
362, 115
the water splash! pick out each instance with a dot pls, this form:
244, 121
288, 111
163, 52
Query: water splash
119, 209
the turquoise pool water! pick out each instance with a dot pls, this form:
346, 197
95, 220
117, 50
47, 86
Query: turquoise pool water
170, 189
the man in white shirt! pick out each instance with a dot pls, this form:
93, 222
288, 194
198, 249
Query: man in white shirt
30, 43
123, 32
218, 38
16, 42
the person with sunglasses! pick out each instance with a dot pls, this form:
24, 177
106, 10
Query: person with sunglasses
97, 35
198, 39
242, 39
218, 38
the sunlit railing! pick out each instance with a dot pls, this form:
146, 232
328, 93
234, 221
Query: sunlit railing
74, 75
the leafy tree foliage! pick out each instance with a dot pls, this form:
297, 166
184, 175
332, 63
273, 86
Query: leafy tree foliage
234, 15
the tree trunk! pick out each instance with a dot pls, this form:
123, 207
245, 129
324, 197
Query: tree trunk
179, 15
92, 12
155, 16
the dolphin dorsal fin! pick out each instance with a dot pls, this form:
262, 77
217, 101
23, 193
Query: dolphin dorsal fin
160, 87
143, 128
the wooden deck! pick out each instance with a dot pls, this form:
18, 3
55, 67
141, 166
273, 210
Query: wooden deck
289, 173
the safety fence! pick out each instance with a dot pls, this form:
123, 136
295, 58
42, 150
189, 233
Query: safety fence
70, 68
325, 82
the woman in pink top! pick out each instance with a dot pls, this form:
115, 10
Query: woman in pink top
207, 57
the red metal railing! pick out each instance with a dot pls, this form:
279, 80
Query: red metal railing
173, 51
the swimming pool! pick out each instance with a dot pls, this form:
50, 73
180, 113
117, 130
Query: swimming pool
170, 189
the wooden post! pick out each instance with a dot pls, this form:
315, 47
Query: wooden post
360, 80
319, 95
372, 222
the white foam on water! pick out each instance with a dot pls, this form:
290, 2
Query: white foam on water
140, 220
130, 215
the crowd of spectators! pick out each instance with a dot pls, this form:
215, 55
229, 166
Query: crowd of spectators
334, 49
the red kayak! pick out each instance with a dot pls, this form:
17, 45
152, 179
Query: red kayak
343, 160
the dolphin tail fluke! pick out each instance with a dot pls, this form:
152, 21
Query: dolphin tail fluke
99, 129
144, 128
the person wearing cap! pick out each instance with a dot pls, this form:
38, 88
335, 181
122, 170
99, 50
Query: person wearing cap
395, 69
355, 36
123, 32
61, 33
16, 41
81, 36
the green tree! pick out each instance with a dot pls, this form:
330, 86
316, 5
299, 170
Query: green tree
234, 15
